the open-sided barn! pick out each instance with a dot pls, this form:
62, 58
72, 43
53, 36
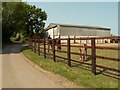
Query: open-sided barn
65, 30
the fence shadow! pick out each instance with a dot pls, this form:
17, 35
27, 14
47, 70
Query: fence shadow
98, 71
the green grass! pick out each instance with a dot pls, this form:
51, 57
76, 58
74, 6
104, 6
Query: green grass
77, 75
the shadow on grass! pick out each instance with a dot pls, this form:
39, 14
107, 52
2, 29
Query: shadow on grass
99, 71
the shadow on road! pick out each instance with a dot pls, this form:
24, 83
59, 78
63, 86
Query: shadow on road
13, 48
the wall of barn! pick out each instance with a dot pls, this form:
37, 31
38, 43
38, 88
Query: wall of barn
76, 31
53, 32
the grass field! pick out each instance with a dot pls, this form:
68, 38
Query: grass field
78, 75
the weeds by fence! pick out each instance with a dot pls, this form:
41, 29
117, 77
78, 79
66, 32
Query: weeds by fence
41, 46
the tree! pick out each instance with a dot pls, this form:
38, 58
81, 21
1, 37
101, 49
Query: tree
20, 17
35, 20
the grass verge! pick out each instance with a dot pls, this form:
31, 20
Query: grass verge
77, 75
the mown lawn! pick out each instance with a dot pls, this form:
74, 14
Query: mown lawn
78, 75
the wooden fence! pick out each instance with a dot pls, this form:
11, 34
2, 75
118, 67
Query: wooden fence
40, 46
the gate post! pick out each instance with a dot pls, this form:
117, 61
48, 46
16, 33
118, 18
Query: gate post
68, 50
93, 52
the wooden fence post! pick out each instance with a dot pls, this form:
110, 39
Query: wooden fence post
44, 49
32, 44
48, 45
29, 43
38, 46
93, 56
68, 50
53, 48
35, 45
44, 43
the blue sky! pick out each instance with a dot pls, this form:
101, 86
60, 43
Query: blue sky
102, 14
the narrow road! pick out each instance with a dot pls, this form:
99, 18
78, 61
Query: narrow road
18, 73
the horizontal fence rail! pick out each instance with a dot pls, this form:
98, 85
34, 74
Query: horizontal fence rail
43, 46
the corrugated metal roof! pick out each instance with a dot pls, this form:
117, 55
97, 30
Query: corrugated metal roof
79, 26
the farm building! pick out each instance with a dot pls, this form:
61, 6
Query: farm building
65, 30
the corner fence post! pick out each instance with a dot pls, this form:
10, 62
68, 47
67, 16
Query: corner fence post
68, 50
53, 48
93, 56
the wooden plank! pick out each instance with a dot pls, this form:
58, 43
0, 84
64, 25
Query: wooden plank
109, 58
107, 48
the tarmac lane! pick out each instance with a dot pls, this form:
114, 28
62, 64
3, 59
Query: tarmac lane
18, 73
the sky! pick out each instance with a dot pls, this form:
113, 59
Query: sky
102, 14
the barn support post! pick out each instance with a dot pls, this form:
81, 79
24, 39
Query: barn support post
53, 48
44, 41
103, 41
80, 40
38, 46
68, 50
74, 40
86, 40
93, 56
96, 40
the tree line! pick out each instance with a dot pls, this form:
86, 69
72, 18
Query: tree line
20, 17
